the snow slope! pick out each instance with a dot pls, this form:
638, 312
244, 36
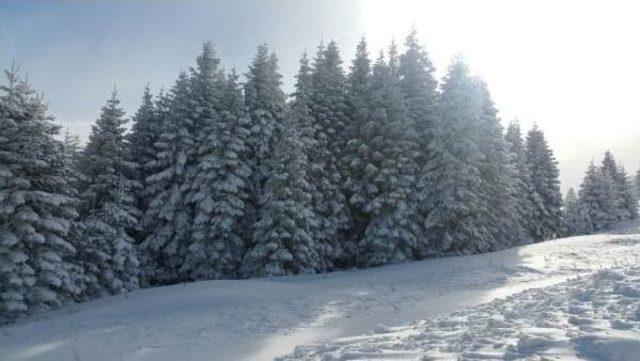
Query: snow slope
594, 317
261, 319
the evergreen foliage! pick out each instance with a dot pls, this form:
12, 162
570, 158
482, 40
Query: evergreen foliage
37, 206
546, 197
108, 252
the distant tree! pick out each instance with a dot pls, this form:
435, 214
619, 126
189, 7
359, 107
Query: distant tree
546, 198
610, 169
596, 204
571, 213
629, 198
108, 252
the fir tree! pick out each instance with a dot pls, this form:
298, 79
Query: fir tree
108, 252
328, 107
265, 102
455, 221
499, 177
222, 197
523, 186
546, 198
596, 204
629, 198
360, 170
144, 133
37, 205
625, 199
168, 218
419, 89
609, 168
393, 231
283, 240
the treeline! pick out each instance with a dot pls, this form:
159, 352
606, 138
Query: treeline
606, 196
222, 179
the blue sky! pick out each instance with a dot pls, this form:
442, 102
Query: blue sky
570, 66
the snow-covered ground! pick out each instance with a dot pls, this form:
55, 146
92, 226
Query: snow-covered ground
593, 317
557, 298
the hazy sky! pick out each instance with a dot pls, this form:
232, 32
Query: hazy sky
571, 66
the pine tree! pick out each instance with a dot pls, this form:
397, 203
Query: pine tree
300, 107
393, 231
546, 198
419, 89
145, 131
37, 205
499, 177
222, 197
596, 202
523, 186
610, 168
108, 252
168, 218
328, 107
357, 159
629, 198
455, 221
283, 240
265, 102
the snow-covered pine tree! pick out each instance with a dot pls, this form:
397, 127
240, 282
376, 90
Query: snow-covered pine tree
168, 218
37, 205
629, 198
609, 168
283, 240
499, 177
596, 203
393, 232
300, 107
419, 88
222, 207
328, 107
456, 221
265, 102
523, 186
546, 198
360, 169
571, 213
145, 131
108, 253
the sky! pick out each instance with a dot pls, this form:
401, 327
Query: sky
571, 67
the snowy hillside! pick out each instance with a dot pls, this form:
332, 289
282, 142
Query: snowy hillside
558, 313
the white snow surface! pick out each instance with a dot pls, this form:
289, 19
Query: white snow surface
571, 298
